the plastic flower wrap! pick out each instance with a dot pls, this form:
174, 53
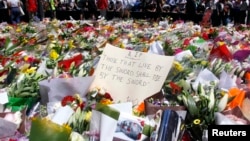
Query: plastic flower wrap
55, 89
43, 129
220, 50
25, 91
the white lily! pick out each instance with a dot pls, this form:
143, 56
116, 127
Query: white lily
223, 102
211, 98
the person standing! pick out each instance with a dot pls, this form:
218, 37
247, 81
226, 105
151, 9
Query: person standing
236, 12
40, 10
82, 4
14, 11
52, 6
217, 14
111, 9
31, 8
92, 9
248, 13
190, 10
118, 9
3, 9
159, 5
243, 11
102, 5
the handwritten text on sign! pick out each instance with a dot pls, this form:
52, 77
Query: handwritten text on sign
132, 75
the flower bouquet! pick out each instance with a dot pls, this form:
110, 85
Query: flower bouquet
49, 130
24, 92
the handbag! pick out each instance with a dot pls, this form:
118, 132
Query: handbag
21, 11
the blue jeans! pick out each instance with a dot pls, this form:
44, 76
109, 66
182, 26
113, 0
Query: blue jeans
15, 15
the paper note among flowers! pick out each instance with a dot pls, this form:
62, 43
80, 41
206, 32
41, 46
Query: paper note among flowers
131, 75
3, 96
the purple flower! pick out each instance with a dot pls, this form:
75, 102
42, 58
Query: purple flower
241, 55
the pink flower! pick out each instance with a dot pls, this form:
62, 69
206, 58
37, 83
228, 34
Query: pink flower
178, 50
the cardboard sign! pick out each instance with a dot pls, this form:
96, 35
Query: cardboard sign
131, 75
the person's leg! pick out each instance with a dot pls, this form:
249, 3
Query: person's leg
81, 15
18, 17
15, 13
103, 13
53, 14
248, 17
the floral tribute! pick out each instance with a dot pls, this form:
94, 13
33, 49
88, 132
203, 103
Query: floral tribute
209, 79
73, 101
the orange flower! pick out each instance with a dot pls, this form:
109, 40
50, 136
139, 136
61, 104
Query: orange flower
238, 96
247, 76
141, 107
105, 101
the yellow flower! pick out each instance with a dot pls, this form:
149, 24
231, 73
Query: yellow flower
53, 54
105, 101
88, 116
178, 66
51, 37
25, 58
122, 45
24, 68
130, 35
9, 27
31, 70
67, 127
18, 29
197, 121
71, 44
25, 41
220, 43
204, 63
78, 98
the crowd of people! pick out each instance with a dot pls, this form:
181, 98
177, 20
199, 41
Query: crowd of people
222, 12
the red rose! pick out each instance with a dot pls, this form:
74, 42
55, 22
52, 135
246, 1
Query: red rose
108, 96
139, 136
205, 36
81, 105
186, 137
67, 100
186, 42
69, 25
65, 64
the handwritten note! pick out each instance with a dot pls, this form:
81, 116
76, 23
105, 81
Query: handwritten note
131, 75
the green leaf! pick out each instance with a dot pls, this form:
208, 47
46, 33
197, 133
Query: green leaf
191, 105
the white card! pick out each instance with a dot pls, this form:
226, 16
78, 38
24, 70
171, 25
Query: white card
3, 96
